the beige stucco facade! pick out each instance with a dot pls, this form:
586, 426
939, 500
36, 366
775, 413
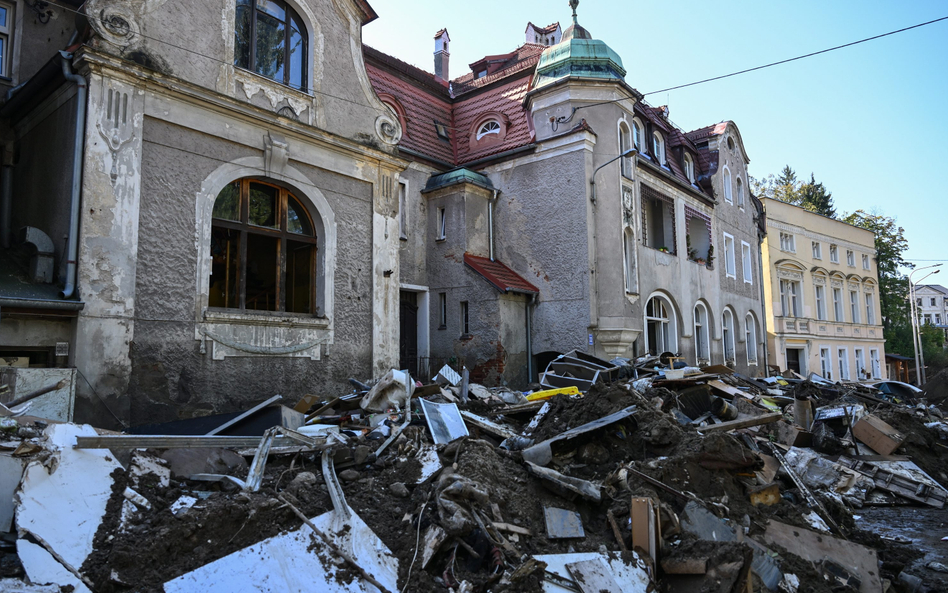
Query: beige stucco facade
821, 295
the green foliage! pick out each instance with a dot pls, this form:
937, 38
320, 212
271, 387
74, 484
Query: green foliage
762, 188
815, 198
933, 340
893, 284
786, 186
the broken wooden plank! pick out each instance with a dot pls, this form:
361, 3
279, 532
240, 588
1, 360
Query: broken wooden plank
725, 388
742, 423
685, 565
615, 530
488, 426
511, 528
135, 441
246, 414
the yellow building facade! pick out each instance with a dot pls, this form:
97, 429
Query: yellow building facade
821, 295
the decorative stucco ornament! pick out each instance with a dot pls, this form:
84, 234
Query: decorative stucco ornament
276, 154
118, 21
388, 129
115, 124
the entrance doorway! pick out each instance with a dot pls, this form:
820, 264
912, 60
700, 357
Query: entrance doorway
408, 332
796, 360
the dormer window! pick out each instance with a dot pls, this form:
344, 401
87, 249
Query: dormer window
658, 148
489, 127
689, 165
442, 131
481, 74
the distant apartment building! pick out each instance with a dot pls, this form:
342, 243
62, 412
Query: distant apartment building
821, 295
931, 301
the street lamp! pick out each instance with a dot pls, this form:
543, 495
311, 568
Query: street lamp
916, 339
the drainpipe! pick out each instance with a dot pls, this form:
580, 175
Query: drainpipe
6, 207
529, 311
763, 306
490, 224
72, 252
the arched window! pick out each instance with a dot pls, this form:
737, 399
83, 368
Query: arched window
628, 260
660, 335
750, 338
637, 135
625, 144
740, 192
702, 341
658, 148
263, 250
727, 333
270, 39
689, 165
727, 187
489, 127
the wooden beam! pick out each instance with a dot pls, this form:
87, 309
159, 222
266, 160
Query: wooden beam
742, 423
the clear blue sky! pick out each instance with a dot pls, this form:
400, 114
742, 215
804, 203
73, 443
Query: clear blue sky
870, 121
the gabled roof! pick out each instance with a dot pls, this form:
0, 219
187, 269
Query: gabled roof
543, 30
503, 278
935, 287
523, 58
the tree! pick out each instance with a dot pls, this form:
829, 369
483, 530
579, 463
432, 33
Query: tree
762, 188
786, 187
815, 198
893, 284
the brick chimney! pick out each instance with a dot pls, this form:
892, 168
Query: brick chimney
441, 54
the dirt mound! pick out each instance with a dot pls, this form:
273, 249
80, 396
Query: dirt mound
923, 444
936, 389
568, 412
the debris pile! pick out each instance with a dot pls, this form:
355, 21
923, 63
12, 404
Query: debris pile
611, 476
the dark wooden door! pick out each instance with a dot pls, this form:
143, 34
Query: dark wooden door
408, 342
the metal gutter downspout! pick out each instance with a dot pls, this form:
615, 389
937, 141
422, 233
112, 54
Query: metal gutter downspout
763, 307
6, 207
531, 302
72, 253
490, 225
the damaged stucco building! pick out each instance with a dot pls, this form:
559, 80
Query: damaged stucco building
233, 199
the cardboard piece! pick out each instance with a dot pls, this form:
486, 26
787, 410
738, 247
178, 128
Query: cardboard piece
881, 437
646, 529
857, 559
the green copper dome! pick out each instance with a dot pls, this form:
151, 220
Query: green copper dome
577, 54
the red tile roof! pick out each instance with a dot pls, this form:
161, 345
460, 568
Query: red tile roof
503, 278
524, 57
506, 99
546, 29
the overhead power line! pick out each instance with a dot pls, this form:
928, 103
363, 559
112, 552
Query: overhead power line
809, 55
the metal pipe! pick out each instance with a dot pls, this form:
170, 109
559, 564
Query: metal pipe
916, 339
6, 207
763, 307
490, 225
72, 251
531, 302
22, 303
592, 181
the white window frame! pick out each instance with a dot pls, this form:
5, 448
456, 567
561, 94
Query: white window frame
875, 366
667, 325
865, 261
817, 249
788, 242
658, 147
826, 363
860, 357
850, 258
727, 186
842, 359
854, 305
730, 264
625, 144
637, 134
689, 164
702, 334
747, 263
750, 338
820, 293
727, 336
491, 126
740, 192
839, 313
870, 308
442, 216
834, 253
628, 254
932, 302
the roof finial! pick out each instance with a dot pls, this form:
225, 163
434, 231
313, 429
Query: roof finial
573, 4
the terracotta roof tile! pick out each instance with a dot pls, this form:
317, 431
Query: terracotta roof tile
525, 56
506, 99
503, 278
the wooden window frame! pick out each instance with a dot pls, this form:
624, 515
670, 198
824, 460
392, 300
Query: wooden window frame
245, 228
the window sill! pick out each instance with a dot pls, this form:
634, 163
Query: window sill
442, 327
672, 253
466, 337
251, 76
271, 318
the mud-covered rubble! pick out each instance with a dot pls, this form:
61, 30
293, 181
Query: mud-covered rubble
644, 481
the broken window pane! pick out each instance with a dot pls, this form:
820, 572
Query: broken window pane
225, 253
262, 271
263, 205
296, 220
227, 205
300, 259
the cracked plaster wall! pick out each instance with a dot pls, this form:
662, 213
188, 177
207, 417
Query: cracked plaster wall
171, 378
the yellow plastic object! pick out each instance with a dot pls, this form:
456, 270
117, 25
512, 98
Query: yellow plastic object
548, 393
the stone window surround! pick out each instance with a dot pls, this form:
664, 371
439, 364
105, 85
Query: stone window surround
671, 320
702, 338
728, 330
245, 333
751, 338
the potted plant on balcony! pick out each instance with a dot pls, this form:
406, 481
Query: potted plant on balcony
710, 263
